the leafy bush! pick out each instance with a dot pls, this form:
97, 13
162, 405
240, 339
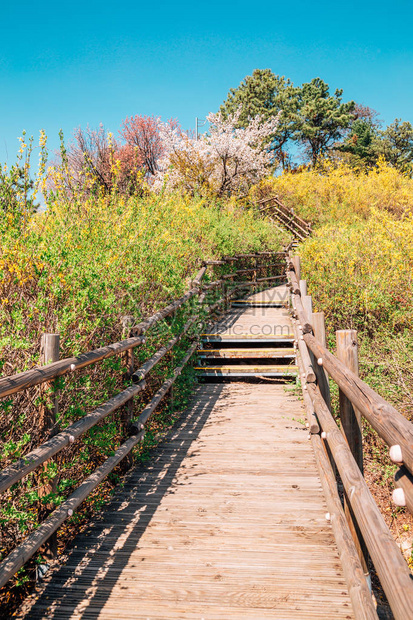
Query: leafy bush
360, 274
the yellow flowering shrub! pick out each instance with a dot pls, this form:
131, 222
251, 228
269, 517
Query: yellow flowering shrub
339, 192
360, 274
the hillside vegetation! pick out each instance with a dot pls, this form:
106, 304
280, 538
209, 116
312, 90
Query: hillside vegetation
359, 260
77, 267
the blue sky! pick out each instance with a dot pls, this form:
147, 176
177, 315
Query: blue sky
79, 63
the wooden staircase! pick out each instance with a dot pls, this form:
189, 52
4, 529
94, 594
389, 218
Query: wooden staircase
234, 355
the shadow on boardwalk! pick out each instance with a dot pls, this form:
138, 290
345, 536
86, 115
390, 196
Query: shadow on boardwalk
73, 589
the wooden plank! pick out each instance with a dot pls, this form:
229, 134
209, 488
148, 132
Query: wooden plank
245, 371
286, 352
258, 302
287, 337
223, 522
252, 368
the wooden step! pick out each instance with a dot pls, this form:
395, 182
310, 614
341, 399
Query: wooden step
244, 338
249, 303
247, 371
247, 353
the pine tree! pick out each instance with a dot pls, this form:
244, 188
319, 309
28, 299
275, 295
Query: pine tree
396, 145
322, 119
266, 94
361, 143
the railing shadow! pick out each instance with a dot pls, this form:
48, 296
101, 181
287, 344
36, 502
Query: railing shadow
226, 322
73, 589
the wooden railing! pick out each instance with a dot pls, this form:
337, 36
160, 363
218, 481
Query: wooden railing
360, 526
273, 207
135, 428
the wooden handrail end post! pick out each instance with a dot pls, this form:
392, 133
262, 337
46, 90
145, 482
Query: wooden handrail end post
49, 352
127, 323
347, 352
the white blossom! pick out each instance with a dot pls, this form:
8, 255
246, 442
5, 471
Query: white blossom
227, 159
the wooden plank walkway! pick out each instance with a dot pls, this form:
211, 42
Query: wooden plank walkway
261, 322
226, 521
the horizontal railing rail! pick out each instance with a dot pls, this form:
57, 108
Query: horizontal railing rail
272, 206
29, 378
15, 472
289, 212
389, 423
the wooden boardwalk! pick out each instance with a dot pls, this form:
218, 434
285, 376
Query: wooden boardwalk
227, 520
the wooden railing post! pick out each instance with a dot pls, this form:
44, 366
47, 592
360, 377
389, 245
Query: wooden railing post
50, 345
308, 306
318, 323
127, 413
49, 352
306, 299
347, 352
297, 266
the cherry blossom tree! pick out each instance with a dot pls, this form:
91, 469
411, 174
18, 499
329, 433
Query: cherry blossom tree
228, 159
95, 162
